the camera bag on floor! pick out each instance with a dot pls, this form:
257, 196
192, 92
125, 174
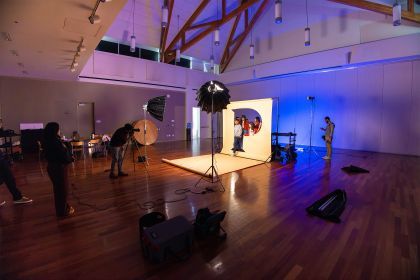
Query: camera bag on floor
330, 206
208, 223
147, 221
172, 237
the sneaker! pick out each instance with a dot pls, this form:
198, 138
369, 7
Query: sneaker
2, 203
113, 176
122, 174
326, 158
71, 211
23, 200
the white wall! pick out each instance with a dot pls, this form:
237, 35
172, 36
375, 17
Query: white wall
332, 26
374, 107
111, 68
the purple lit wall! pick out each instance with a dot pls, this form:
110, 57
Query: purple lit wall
375, 107
30, 100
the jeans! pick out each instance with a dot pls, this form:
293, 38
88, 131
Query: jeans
117, 154
237, 144
329, 148
7, 177
58, 174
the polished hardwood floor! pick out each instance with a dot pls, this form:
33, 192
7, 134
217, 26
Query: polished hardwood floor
270, 236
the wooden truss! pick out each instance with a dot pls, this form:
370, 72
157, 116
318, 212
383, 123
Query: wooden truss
235, 40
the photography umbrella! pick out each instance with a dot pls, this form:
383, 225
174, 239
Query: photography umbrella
156, 108
213, 96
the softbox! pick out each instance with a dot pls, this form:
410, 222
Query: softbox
156, 107
213, 92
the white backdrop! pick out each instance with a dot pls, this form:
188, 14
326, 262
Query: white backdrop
257, 146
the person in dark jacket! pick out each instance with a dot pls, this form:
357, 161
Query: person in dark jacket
118, 141
6, 176
58, 157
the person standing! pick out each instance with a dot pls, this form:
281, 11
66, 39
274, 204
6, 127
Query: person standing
6, 176
118, 141
58, 157
237, 136
328, 136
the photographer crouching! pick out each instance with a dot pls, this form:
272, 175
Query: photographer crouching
117, 146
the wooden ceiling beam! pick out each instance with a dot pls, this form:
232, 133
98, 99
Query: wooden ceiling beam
231, 35
170, 50
186, 25
164, 31
201, 25
380, 8
242, 37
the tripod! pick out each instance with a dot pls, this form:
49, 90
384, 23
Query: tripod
211, 171
130, 143
311, 149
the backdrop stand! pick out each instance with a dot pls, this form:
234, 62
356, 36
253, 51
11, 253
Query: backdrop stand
311, 149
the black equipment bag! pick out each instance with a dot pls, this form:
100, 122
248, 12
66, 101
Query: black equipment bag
208, 223
147, 221
330, 206
172, 237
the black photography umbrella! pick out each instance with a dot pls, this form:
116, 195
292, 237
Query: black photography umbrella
156, 108
212, 97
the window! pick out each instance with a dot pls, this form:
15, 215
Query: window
125, 50
149, 55
106, 46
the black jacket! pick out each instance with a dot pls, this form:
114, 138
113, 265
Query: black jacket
120, 137
56, 151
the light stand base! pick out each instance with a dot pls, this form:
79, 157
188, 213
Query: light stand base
211, 176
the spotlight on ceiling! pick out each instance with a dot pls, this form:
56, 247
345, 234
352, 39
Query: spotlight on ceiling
72, 69
277, 11
94, 19
396, 14
75, 64
132, 43
251, 51
165, 16
307, 36
217, 36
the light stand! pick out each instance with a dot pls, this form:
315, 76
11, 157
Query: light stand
312, 100
146, 160
214, 175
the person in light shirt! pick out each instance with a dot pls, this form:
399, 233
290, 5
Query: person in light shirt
328, 136
237, 133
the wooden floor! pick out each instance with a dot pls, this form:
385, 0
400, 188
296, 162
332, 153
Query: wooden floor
270, 236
